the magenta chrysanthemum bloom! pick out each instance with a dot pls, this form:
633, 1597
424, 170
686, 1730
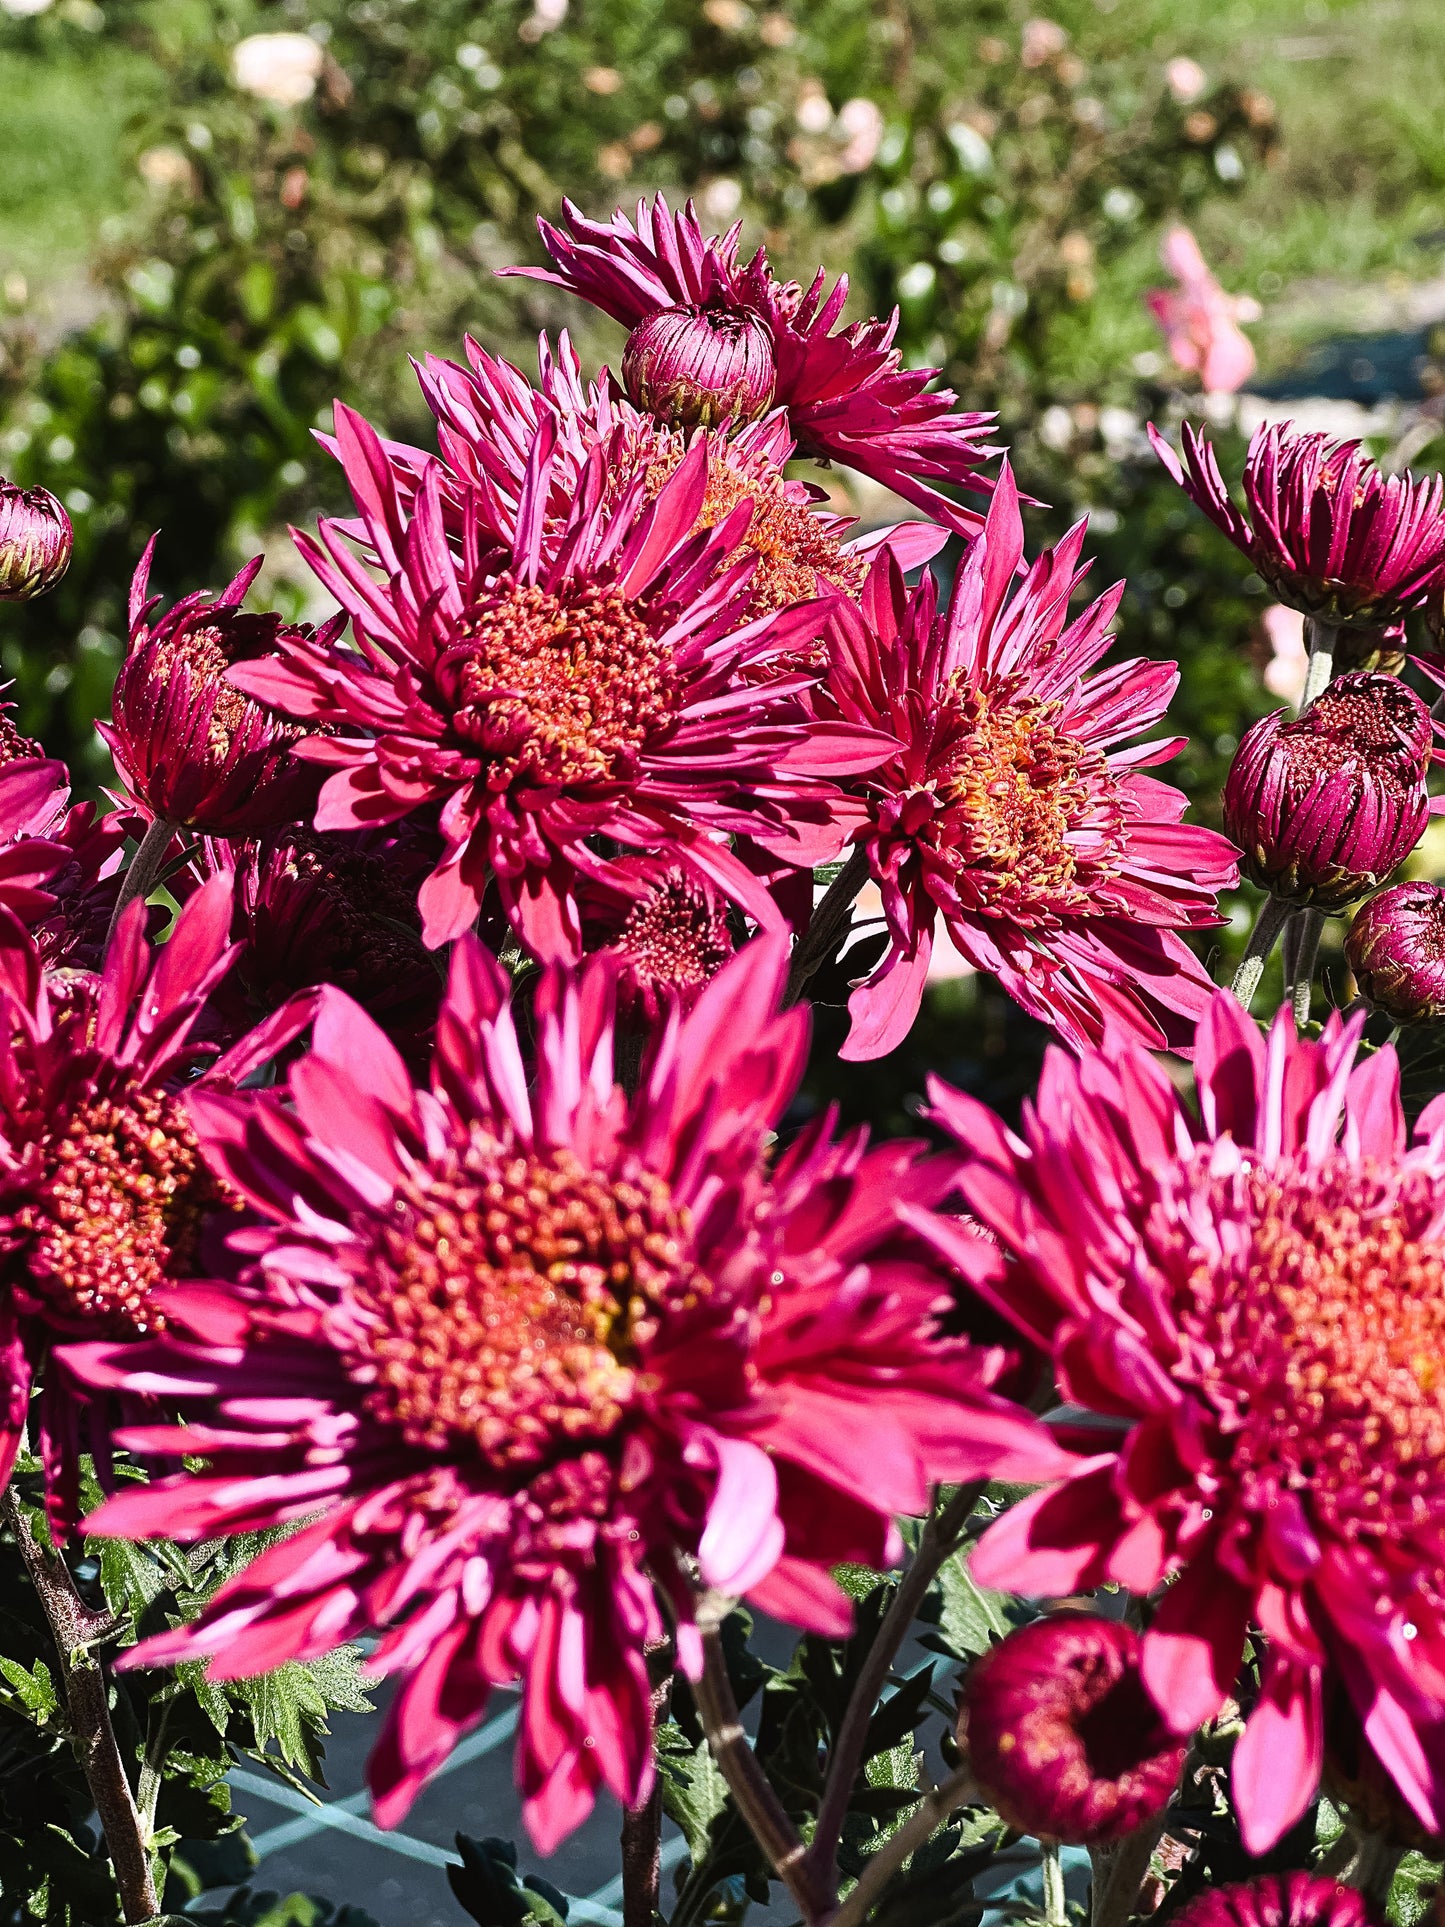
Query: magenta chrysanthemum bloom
190, 748
513, 1352
1014, 809
1396, 948
848, 397
1329, 533
488, 416
546, 702
59, 861
1246, 1313
1061, 1735
103, 1191
1325, 806
1278, 1900
36, 542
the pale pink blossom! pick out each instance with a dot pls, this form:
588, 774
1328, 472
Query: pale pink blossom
1200, 321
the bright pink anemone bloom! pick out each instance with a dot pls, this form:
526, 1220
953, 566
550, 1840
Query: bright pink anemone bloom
546, 697
513, 1355
1246, 1316
847, 395
1331, 535
1014, 808
103, 1191
488, 416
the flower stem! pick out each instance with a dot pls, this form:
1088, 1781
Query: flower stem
1056, 1910
143, 869
74, 1629
642, 1826
1321, 667
1119, 1875
1272, 918
1302, 946
940, 1537
759, 1806
919, 1827
830, 920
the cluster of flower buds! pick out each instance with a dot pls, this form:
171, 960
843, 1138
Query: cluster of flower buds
1396, 949
1324, 807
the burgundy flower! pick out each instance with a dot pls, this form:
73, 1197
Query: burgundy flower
1061, 1735
1327, 805
15, 748
36, 541
1329, 533
700, 365
544, 705
1245, 1310
488, 416
59, 861
848, 397
312, 908
189, 746
510, 1349
1014, 809
103, 1191
1396, 948
1278, 1900
669, 942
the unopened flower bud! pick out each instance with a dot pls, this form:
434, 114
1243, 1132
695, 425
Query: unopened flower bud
36, 540
694, 367
1326, 806
1062, 1736
1396, 948
1277, 1900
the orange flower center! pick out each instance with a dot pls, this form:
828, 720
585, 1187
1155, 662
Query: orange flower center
1022, 807
119, 1210
1320, 1340
561, 689
203, 655
504, 1301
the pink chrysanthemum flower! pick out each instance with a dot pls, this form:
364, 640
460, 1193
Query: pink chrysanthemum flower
847, 395
1329, 533
1014, 809
669, 942
513, 1352
488, 416
545, 700
1246, 1315
1278, 1900
103, 1190
59, 861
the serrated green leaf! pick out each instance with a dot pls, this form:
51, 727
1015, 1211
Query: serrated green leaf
970, 1618
288, 1706
694, 1792
33, 1692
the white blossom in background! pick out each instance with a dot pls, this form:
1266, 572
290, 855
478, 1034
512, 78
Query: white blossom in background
722, 198
279, 67
860, 121
1185, 79
21, 9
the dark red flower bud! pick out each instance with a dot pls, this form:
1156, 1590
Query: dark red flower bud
1061, 1734
1396, 948
312, 908
1277, 1900
1324, 807
700, 366
1330, 534
670, 940
189, 745
36, 540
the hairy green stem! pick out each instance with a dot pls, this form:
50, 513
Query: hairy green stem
1322, 638
1306, 930
829, 921
1272, 918
1056, 1908
75, 1629
759, 1806
940, 1537
143, 869
1120, 1873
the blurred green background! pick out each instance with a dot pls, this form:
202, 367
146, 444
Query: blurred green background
192, 266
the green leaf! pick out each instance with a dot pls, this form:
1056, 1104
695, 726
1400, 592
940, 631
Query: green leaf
33, 1692
289, 1706
970, 1618
489, 1888
694, 1792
